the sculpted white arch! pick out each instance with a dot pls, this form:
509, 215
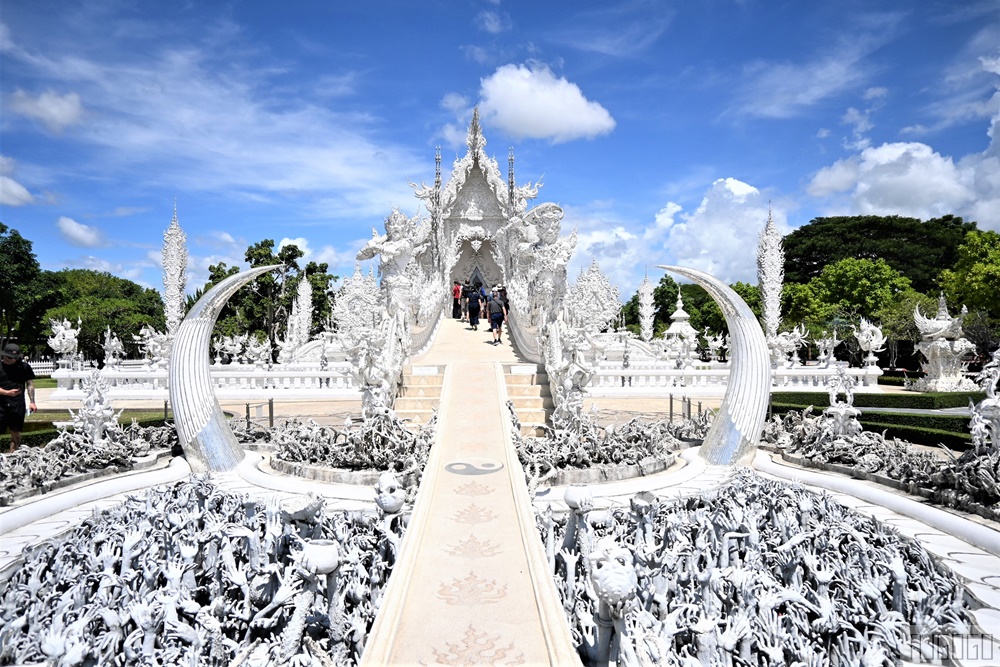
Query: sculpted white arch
734, 435
201, 426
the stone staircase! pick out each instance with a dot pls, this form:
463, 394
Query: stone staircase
420, 393
528, 388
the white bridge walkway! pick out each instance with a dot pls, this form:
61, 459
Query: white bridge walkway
472, 583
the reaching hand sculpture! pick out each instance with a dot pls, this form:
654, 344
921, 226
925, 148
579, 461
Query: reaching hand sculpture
754, 568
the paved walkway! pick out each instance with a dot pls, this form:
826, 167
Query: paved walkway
472, 584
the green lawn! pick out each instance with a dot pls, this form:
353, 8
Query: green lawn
125, 419
44, 383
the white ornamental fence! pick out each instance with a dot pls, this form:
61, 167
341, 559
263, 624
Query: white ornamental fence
654, 381
230, 381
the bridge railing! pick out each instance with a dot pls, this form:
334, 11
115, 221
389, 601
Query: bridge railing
525, 339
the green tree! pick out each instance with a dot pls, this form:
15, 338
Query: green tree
230, 321
100, 300
859, 286
974, 279
801, 306
665, 301
917, 250
262, 307
19, 276
898, 325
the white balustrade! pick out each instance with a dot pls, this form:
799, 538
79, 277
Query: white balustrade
655, 380
229, 381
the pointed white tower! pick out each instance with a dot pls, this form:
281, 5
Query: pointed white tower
175, 258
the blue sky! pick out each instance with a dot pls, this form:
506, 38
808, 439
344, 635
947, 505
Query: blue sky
664, 129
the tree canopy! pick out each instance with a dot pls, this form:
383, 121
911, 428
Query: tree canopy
917, 250
974, 279
100, 300
262, 307
863, 286
19, 276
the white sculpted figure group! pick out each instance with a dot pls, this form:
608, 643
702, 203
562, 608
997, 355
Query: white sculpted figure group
945, 350
114, 350
539, 256
870, 339
155, 345
64, 338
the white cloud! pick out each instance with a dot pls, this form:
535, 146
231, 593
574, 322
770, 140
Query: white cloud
860, 124
340, 261
477, 54
455, 103
12, 193
604, 237
785, 90
720, 236
909, 179
493, 22
533, 103
131, 271
210, 119
79, 234
838, 177
875, 93
56, 112
624, 29
301, 242
770, 89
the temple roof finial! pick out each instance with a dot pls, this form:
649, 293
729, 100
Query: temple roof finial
475, 141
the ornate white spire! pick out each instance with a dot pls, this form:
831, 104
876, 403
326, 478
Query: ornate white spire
647, 309
175, 257
475, 140
594, 300
299, 322
770, 275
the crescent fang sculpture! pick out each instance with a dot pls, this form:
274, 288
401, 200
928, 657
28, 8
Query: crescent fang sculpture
208, 442
733, 437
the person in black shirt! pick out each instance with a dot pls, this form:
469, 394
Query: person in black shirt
475, 303
15, 378
498, 315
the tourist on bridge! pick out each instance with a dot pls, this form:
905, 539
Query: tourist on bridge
465, 301
456, 301
503, 296
475, 304
497, 310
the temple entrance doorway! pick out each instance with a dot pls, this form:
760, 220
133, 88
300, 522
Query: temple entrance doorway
476, 263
